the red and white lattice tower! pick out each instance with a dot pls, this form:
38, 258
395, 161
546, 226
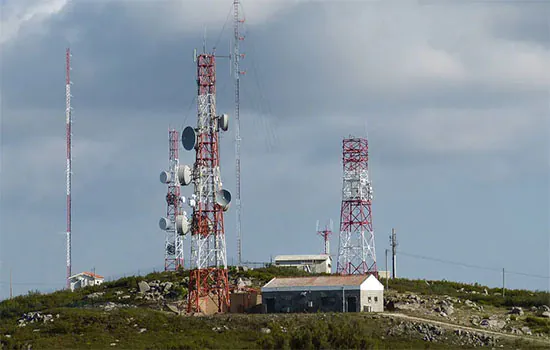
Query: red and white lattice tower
68, 170
208, 276
356, 254
326, 232
173, 242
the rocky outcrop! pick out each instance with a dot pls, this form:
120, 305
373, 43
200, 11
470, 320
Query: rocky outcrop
35, 317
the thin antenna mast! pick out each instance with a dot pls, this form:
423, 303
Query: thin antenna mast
69, 121
237, 73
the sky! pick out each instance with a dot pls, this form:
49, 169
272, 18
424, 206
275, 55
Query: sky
453, 96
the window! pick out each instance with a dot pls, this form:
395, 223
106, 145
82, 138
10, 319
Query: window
375, 299
370, 299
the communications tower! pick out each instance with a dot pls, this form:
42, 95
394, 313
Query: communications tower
69, 159
356, 253
236, 57
173, 241
326, 232
208, 279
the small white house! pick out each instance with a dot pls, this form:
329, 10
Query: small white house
85, 279
310, 263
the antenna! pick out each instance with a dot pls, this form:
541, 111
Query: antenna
175, 224
325, 233
236, 56
68, 170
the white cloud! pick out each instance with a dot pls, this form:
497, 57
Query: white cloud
17, 14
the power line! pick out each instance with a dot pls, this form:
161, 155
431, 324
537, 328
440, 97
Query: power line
478, 267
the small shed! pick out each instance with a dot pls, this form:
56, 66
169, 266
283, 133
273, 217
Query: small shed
352, 293
84, 279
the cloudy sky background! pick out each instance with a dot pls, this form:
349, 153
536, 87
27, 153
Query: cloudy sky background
454, 97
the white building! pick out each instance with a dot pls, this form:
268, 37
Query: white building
310, 263
85, 279
351, 293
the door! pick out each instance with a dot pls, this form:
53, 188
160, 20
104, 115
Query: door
352, 304
270, 305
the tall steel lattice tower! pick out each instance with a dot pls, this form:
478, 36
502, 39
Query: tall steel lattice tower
236, 56
68, 170
208, 280
356, 254
173, 242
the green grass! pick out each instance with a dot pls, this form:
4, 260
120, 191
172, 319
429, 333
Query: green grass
80, 327
513, 297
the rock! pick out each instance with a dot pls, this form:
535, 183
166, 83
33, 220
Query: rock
94, 295
265, 330
142, 330
544, 308
515, 331
516, 311
113, 344
533, 309
119, 292
143, 287
526, 330
545, 314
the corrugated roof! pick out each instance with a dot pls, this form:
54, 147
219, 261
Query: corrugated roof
91, 274
302, 257
318, 281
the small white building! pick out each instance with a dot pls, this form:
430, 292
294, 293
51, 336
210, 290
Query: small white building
85, 279
310, 263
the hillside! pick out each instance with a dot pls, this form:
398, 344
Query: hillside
421, 314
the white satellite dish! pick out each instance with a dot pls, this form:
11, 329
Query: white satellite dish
165, 177
224, 122
165, 224
185, 175
182, 224
223, 199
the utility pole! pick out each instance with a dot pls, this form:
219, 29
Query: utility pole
387, 269
393, 240
503, 285
11, 290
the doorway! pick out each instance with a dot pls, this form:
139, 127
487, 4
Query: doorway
352, 304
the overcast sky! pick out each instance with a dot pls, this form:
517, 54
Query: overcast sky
453, 95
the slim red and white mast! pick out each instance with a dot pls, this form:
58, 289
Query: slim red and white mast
69, 121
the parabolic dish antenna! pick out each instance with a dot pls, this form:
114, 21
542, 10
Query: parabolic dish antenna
182, 224
224, 122
165, 224
223, 198
185, 175
188, 138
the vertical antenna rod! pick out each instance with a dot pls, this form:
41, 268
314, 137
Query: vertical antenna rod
393, 239
69, 121
237, 73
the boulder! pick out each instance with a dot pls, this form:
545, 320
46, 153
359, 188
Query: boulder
526, 330
143, 287
516, 311
545, 314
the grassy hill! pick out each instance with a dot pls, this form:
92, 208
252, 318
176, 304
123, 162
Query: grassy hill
115, 315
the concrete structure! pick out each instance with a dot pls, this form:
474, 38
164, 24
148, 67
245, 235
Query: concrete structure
352, 293
310, 263
383, 274
84, 279
249, 301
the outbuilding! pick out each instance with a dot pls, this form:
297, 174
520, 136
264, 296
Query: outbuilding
85, 279
352, 293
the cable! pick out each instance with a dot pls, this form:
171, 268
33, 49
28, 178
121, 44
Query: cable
223, 28
471, 266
